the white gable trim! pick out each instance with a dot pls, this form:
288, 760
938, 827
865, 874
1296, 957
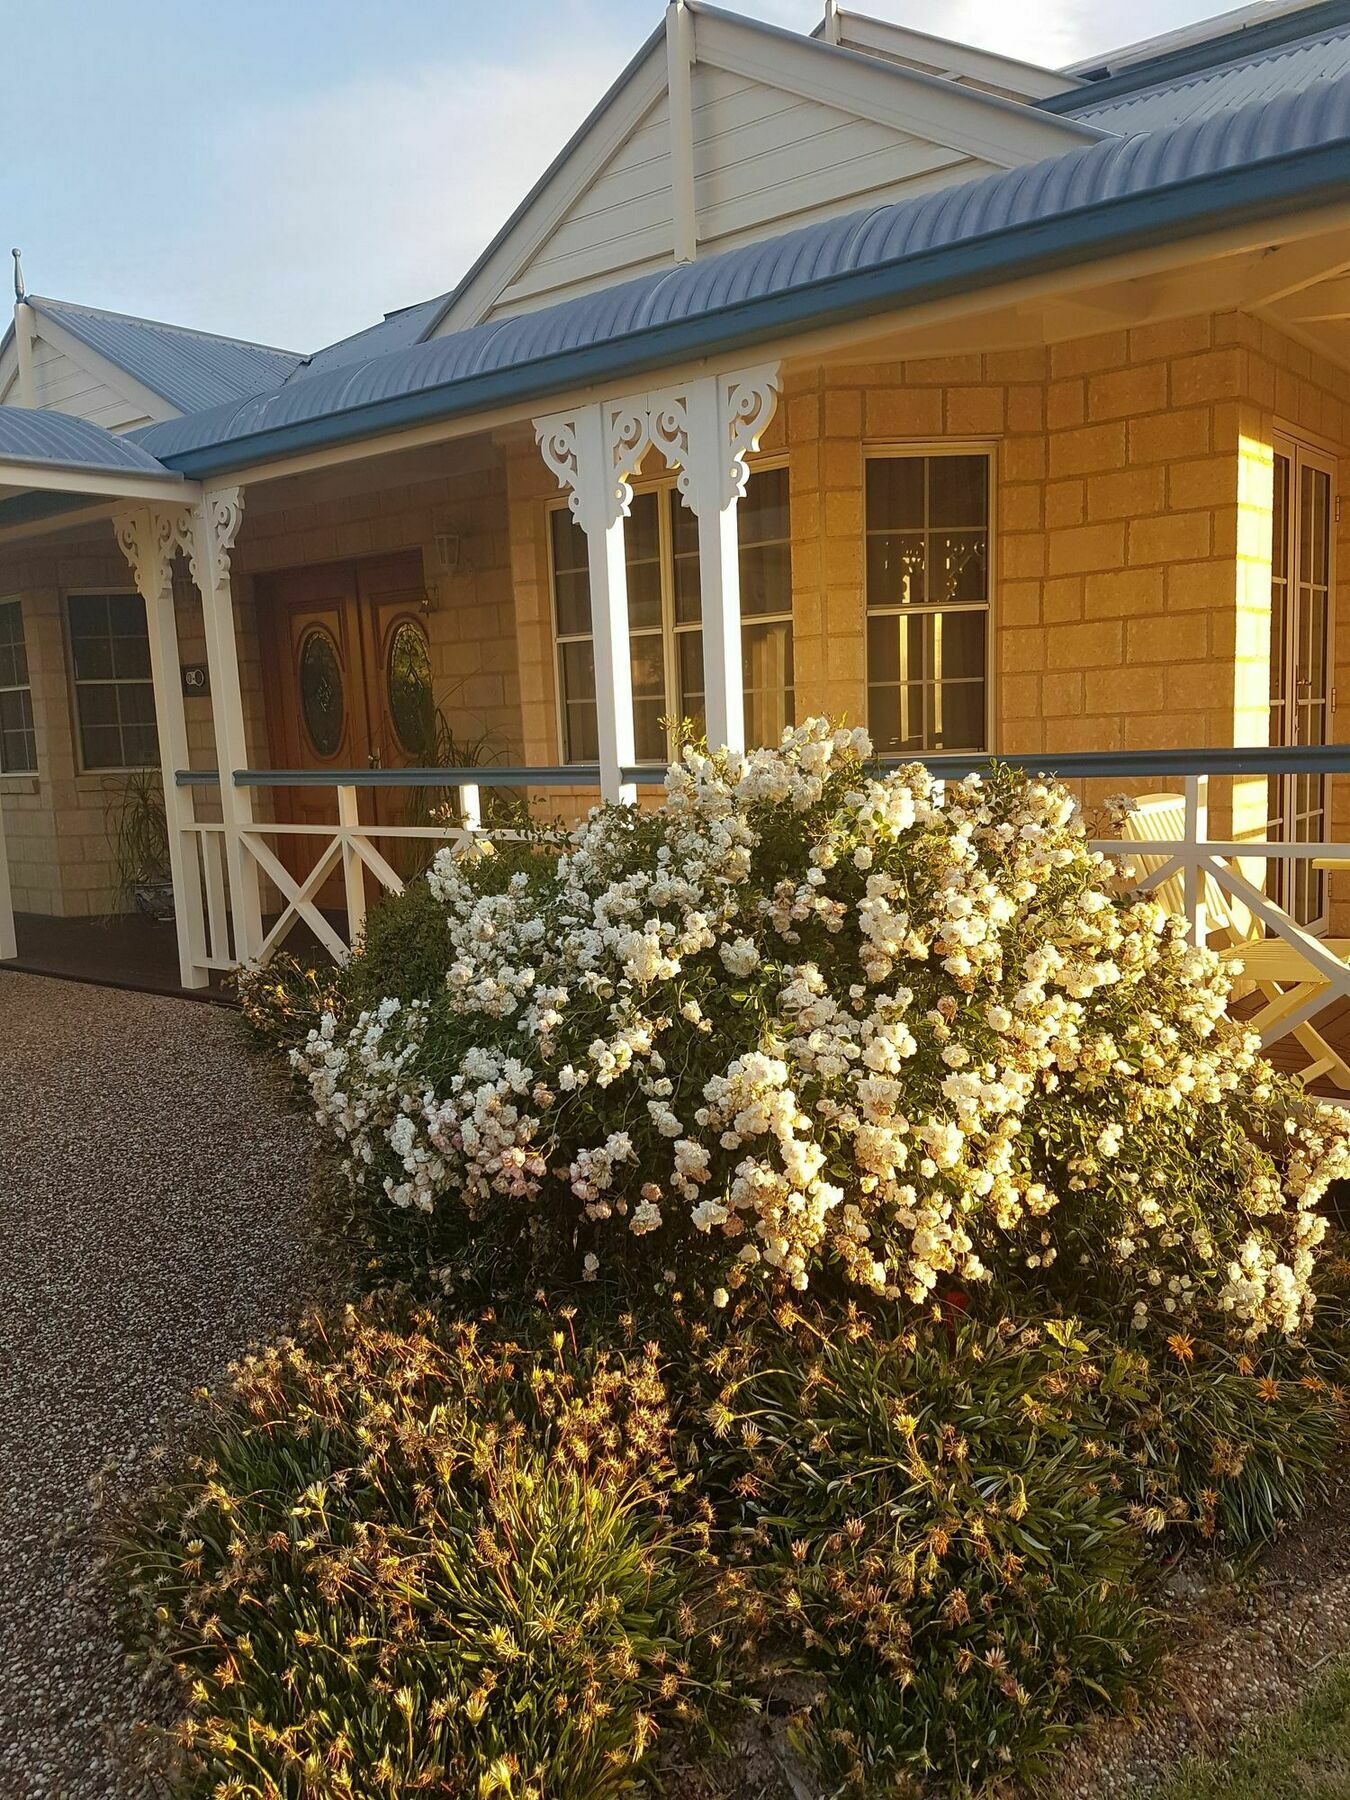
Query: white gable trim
153, 405
961, 121
857, 31
604, 133
999, 131
9, 371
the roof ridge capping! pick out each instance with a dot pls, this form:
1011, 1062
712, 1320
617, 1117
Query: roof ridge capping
845, 13
39, 301
1251, 162
1233, 45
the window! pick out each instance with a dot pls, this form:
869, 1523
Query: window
114, 695
665, 625
927, 601
18, 745
1301, 658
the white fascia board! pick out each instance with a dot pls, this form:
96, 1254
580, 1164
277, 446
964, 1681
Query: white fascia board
857, 31
998, 131
153, 405
121, 484
603, 135
9, 363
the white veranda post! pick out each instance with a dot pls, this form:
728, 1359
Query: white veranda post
592, 450
149, 537
215, 524
9, 943
705, 427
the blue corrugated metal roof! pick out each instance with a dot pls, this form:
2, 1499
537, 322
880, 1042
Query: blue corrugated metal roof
1256, 160
1289, 69
192, 370
61, 441
395, 331
1249, 32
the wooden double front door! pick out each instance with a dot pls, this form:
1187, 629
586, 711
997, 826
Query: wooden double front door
347, 684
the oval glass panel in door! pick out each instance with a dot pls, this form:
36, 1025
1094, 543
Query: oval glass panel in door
409, 678
321, 699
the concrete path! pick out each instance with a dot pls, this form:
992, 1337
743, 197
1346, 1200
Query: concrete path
152, 1223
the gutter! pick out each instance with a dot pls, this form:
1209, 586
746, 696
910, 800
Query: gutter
1281, 184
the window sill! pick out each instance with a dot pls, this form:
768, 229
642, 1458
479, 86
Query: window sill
20, 784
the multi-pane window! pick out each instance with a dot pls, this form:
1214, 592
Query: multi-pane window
927, 601
114, 694
1300, 665
664, 618
18, 744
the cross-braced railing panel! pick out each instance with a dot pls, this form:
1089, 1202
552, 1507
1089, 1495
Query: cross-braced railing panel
1220, 884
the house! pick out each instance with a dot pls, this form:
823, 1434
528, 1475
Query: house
998, 407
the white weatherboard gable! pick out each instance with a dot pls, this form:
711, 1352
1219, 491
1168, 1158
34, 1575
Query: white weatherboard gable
780, 130
618, 226
69, 377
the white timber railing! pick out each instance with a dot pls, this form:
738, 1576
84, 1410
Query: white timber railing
1222, 885
331, 895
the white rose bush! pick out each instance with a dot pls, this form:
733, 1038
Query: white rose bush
810, 1025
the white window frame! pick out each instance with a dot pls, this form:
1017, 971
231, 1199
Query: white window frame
1301, 451
75, 683
20, 687
988, 449
670, 628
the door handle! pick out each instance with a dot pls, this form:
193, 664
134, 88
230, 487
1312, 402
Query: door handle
374, 760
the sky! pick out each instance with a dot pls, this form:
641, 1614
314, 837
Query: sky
290, 170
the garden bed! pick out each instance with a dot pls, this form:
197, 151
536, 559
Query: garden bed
827, 1255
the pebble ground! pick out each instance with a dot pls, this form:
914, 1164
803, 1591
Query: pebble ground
1247, 1652
152, 1225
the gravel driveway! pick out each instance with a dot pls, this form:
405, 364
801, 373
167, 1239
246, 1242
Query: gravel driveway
152, 1223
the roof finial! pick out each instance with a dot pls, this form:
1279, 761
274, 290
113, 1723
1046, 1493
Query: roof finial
20, 291
829, 27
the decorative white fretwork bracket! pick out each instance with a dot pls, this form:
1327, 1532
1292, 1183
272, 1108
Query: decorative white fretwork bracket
705, 428
708, 427
599, 491
149, 537
219, 521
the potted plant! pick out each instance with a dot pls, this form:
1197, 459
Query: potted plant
139, 834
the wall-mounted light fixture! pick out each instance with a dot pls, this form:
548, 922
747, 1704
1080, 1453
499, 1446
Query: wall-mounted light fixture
443, 560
